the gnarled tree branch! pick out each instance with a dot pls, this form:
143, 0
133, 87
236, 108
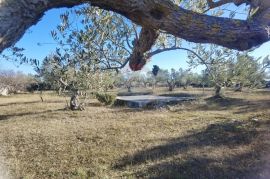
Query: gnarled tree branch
17, 16
146, 40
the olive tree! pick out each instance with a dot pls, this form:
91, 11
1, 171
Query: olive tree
64, 72
247, 72
108, 39
217, 62
169, 16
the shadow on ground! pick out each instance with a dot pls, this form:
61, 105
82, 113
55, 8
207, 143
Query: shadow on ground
174, 160
227, 103
181, 95
32, 102
9, 116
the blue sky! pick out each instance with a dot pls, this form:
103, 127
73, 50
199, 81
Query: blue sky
40, 33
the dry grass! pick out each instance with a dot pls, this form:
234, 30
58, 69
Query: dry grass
202, 139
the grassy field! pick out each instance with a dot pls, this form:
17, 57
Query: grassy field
207, 138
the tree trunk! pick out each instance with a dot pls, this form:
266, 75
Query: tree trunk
129, 89
203, 89
217, 91
185, 86
171, 86
238, 87
17, 16
59, 91
154, 83
74, 103
41, 97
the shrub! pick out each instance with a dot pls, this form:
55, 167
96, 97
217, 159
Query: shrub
105, 98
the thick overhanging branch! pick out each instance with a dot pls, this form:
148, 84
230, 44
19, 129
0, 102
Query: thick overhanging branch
17, 16
143, 44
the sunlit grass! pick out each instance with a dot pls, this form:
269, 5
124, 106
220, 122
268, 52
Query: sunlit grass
200, 139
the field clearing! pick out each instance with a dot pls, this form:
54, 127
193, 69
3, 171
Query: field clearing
207, 138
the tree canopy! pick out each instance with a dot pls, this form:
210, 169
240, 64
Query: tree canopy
169, 16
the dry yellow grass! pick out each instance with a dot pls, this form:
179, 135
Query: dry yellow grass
200, 139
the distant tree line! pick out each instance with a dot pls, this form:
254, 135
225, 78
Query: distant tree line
223, 68
15, 82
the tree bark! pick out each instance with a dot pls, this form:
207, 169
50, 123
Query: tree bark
238, 87
171, 85
17, 16
217, 91
143, 44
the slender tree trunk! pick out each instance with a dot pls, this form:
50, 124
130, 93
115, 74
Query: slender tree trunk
217, 91
171, 86
129, 89
59, 91
154, 83
238, 87
203, 89
41, 97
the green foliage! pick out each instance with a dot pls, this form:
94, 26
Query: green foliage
155, 70
217, 62
101, 38
105, 98
64, 72
173, 78
247, 71
104, 38
226, 67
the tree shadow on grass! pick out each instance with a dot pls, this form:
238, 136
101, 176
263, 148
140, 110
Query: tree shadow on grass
227, 103
9, 116
19, 103
223, 103
254, 106
204, 167
32, 102
181, 94
230, 135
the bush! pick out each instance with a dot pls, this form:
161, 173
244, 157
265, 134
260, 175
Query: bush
105, 98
